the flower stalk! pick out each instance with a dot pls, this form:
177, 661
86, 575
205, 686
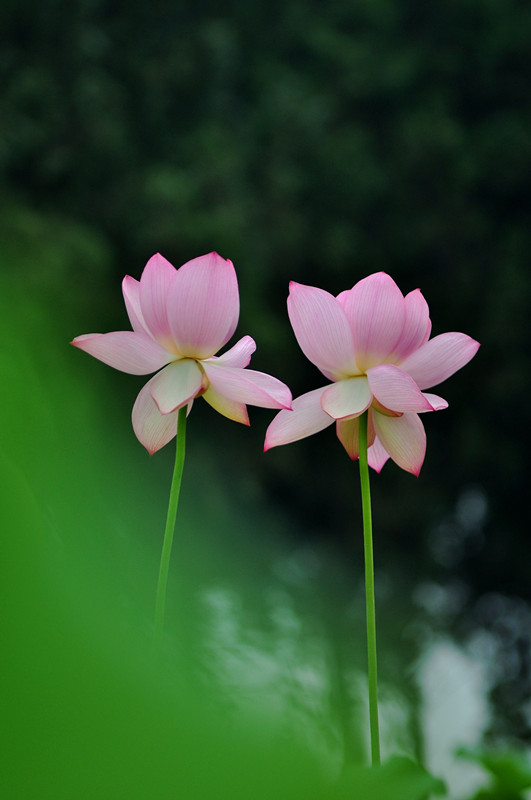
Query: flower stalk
369, 592
160, 603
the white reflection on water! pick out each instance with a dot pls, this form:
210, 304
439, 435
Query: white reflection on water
280, 670
284, 670
278, 658
454, 712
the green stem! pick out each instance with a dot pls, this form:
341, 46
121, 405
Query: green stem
170, 527
369, 592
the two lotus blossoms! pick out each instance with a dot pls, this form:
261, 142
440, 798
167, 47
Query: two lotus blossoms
370, 342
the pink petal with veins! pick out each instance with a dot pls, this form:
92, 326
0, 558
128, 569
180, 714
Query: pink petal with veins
229, 408
403, 438
439, 358
348, 434
437, 403
305, 418
131, 293
239, 355
247, 386
128, 351
322, 330
176, 385
347, 398
376, 311
155, 283
417, 326
342, 297
152, 429
203, 305
396, 390
377, 455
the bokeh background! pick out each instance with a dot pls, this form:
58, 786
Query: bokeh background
307, 141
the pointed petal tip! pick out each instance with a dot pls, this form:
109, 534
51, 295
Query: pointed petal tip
203, 305
268, 444
295, 286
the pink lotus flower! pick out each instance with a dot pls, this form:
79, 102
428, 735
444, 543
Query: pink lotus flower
372, 342
180, 318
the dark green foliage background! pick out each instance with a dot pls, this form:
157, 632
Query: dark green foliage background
307, 141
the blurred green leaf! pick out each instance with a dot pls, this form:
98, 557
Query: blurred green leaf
397, 779
510, 772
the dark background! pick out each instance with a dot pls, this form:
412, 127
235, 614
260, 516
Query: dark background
307, 141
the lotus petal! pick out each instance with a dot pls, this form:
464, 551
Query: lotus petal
439, 358
155, 283
229, 408
239, 355
203, 305
322, 330
247, 386
377, 455
347, 398
375, 309
152, 429
128, 351
396, 390
403, 438
417, 326
131, 293
305, 418
177, 384
437, 403
348, 434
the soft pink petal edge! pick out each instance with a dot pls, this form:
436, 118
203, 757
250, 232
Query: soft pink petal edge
322, 330
127, 351
417, 326
403, 438
152, 429
155, 283
239, 354
131, 295
306, 418
247, 386
396, 390
348, 434
177, 384
377, 455
439, 358
347, 398
203, 305
376, 313
228, 408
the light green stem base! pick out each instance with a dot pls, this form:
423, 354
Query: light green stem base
162, 584
369, 592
